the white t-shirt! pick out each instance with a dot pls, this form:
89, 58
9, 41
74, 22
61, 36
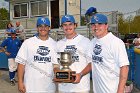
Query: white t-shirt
79, 46
108, 55
38, 57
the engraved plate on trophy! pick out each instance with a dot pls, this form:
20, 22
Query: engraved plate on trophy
65, 74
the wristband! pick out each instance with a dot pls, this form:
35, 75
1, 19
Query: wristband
81, 75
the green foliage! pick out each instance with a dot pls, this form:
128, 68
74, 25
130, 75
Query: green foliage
4, 18
4, 14
129, 25
83, 21
136, 24
121, 25
128, 82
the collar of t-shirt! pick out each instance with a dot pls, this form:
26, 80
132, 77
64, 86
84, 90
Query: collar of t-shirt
71, 38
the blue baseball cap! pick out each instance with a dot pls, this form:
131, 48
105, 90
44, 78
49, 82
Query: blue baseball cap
91, 10
43, 21
99, 18
67, 18
13, 31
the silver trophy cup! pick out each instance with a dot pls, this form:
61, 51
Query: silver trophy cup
64, 75
65, 60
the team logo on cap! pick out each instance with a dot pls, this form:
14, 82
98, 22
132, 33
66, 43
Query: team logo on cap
68, 18
43, 20
96, 18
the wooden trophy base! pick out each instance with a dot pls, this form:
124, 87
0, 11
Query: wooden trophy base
64, 76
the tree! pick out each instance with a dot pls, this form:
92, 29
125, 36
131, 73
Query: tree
4, 17
122, 25
83, 21
129, 25
136, 24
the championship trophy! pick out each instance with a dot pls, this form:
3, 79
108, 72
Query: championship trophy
65, 74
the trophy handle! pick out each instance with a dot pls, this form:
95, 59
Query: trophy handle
58, 60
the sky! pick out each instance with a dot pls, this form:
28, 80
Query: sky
4, 4
123, 6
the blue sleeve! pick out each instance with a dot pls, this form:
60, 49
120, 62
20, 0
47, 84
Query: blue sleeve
20, 43
4, 43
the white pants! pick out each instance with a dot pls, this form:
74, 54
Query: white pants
12, 65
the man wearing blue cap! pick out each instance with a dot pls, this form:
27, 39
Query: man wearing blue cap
109, 58
35, 61
12, 45
78, 45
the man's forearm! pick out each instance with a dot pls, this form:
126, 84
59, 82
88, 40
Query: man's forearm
2, 49
122, 79
20, 70
86, 70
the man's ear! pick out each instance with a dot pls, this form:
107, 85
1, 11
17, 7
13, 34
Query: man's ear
75, 25
107, 26
49, 27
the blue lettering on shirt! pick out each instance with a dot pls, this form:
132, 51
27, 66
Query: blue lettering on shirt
72, 49
43, 51
96, 58
42, 59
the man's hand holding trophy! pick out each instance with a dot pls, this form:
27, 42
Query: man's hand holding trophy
65, 74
